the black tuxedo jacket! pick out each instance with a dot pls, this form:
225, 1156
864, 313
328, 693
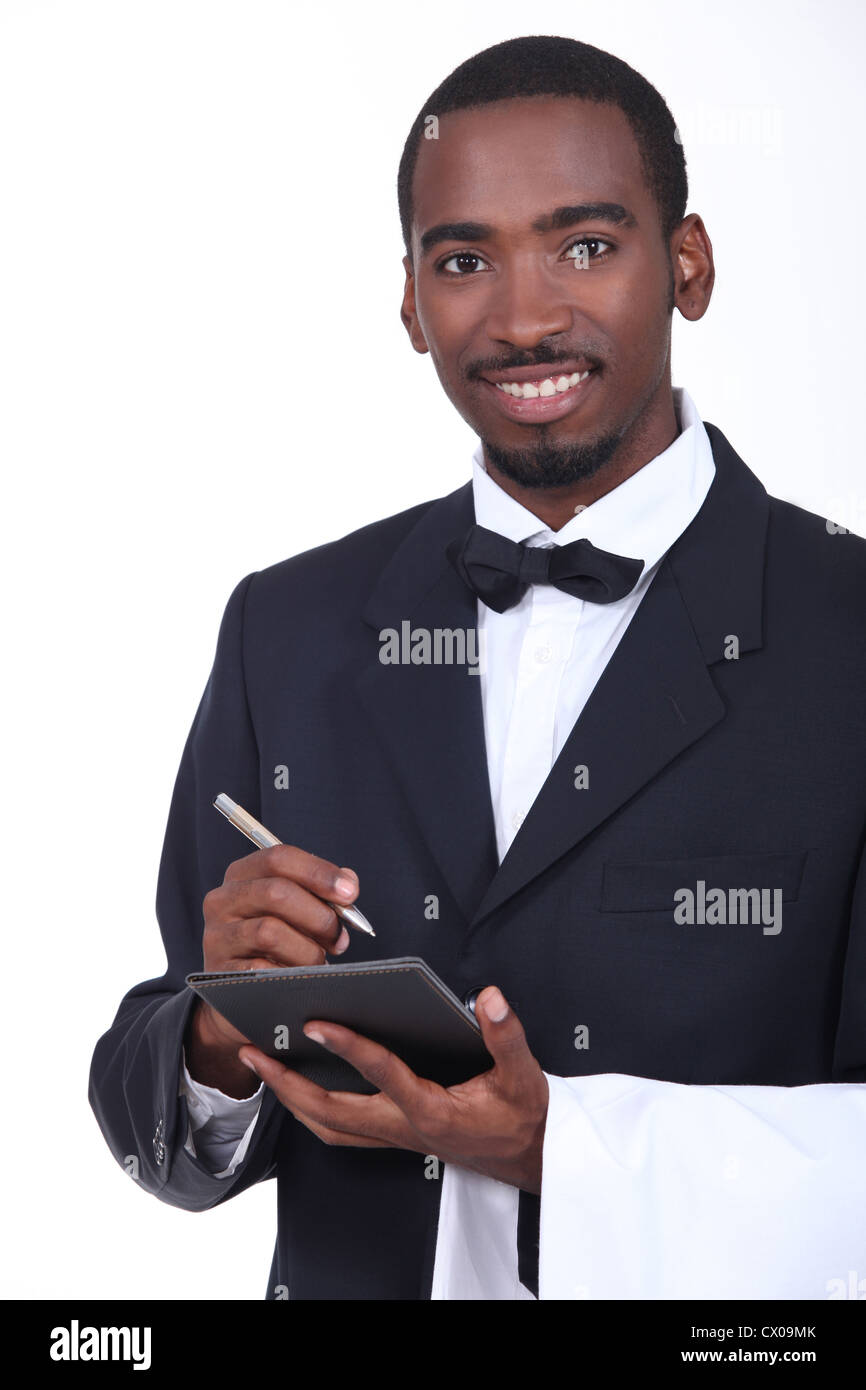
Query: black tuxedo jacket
739, 771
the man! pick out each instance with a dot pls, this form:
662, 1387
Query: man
632, 839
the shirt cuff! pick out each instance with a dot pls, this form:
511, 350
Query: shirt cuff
222, 1125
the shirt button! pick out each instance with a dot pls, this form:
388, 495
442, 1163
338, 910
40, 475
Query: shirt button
517, 819
543, 654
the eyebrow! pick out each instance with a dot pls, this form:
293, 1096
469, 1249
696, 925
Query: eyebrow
567, 216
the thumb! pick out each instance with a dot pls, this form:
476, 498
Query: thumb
504, 1038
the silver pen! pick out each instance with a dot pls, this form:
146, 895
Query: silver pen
255, 831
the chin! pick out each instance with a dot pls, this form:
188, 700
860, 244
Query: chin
542, 460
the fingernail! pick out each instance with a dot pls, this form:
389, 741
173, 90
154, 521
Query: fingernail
247, 1063
346, 887
341, 944
495, 1006
315, 1035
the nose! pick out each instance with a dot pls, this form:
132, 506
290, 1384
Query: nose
528, 304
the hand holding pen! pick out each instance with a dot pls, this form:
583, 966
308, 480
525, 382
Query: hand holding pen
278, 906
265, 839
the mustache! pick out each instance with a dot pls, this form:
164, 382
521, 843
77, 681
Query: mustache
534, 359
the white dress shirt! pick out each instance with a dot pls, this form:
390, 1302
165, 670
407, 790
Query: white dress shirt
542, 658
650, 1189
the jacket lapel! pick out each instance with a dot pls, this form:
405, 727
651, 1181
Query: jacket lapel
429, 718
654, 699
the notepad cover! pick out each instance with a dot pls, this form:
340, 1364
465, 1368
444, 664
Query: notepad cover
400, 1003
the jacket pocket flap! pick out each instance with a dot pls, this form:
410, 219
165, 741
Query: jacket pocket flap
643, 886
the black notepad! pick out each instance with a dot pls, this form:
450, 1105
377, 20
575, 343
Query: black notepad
400, 1003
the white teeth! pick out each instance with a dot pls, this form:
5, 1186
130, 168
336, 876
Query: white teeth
528, 391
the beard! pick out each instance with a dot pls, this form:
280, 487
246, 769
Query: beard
549, 464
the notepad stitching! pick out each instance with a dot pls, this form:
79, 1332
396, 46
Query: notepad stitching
244, 978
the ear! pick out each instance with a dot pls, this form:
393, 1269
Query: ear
694, 271
408, 311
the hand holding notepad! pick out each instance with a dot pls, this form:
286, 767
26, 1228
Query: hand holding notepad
270, 977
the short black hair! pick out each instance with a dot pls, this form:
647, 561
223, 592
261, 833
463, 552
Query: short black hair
545, 65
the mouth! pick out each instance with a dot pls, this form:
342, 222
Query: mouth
539, 398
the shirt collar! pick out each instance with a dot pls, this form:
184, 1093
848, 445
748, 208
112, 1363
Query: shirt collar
642, 517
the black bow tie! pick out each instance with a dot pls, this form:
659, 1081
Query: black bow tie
500, 571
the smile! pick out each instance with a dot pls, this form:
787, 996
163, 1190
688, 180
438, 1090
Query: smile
544, 400
547, 386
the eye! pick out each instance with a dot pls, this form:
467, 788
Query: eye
465, 261
591, 253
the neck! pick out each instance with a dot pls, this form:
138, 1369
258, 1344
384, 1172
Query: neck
650, 434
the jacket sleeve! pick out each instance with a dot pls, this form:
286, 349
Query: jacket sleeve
137, 1063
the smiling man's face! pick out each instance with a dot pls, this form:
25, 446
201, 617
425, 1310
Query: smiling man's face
507, 202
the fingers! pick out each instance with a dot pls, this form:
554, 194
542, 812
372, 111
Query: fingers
259, 943
417, 1106
270, 910
250, 930
319, 876
506, 1042
382, 1068
282, 900
366, 1121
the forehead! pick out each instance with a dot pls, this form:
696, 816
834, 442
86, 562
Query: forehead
508, 161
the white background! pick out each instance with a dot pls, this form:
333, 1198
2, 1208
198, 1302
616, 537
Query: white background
203, 370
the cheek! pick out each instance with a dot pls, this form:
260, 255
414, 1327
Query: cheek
445, 367
635, 299
449, 322
639, 324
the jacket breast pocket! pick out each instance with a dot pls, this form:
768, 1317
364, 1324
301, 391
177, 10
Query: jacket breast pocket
652, 885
